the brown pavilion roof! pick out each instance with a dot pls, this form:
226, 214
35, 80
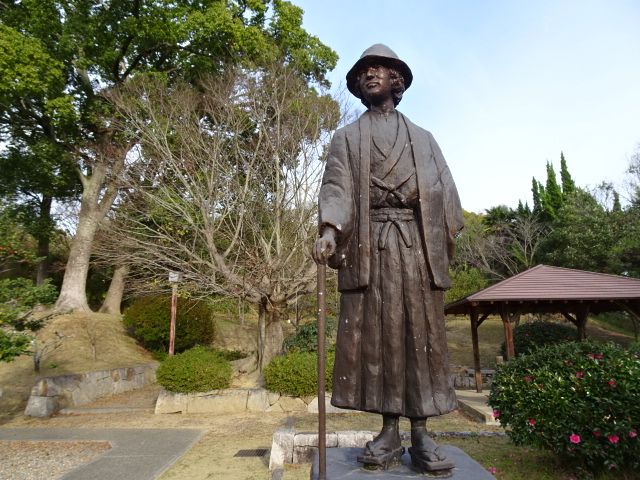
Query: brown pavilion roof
544, 288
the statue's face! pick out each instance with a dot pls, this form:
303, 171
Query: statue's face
375, 84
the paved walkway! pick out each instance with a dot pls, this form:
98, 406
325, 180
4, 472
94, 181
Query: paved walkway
475, 405
138, 454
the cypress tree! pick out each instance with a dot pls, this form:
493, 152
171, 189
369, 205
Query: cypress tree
568, 185
552, 200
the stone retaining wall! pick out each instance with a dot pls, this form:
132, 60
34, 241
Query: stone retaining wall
51, 394
465, 378
238, 400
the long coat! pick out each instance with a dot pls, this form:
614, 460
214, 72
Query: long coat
344, 202
362, 355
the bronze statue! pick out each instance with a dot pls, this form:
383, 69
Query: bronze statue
388, 213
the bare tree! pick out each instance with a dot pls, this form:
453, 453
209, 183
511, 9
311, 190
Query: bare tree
223, 188
504, 250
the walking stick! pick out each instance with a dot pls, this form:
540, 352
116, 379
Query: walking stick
322, 417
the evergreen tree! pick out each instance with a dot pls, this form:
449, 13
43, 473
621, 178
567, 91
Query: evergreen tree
552, 199
537, 201
568, 185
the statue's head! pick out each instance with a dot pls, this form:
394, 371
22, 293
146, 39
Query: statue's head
380, 55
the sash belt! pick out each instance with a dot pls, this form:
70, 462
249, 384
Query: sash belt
393, 216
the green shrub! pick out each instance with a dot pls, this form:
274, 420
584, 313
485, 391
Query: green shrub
529, 336
306, 337
147, 320
580, 400
13, 345
296, 373
199, 369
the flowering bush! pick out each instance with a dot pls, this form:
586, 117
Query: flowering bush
529, 336
579, 400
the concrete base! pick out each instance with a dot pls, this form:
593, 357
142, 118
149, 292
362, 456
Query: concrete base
342, 464
475, 405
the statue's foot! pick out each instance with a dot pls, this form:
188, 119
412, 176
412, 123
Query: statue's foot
383, 451
427, 456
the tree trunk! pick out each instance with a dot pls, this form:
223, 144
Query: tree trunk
270, 333
94, 206
44, 236
113, 300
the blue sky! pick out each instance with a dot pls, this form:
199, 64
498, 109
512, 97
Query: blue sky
505, 86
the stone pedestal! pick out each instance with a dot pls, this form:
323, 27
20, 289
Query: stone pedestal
342, 464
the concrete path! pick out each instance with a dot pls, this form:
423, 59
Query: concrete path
138, 454
475, 405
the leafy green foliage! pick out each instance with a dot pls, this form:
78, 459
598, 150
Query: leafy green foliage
529, 336
296, 373
584, 236
578, 400
198, 369
464, 281
147, 320
18, 296
12, 345
306, 337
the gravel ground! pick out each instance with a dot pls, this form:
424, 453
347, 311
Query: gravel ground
35, 460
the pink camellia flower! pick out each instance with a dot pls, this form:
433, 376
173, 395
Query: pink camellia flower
633, 433
613, 438
532, 421
496, 414
598, 356
597, 434
612, 383
492, 470
579, 374
573, 438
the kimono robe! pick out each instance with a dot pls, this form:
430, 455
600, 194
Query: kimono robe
389, 194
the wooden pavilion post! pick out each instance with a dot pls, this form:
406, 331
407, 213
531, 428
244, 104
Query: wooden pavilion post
581, 317
508, 333
476, 349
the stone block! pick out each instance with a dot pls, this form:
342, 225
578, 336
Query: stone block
275, 408
45, 387
292, 404
313, 406
169, 402
305, 439
353, 438
258, 400
281, 448
219, 402
41, 406
304, 454
273, 397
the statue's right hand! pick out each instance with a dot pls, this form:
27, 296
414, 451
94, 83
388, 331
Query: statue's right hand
325, 246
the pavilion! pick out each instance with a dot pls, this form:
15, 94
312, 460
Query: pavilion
544, 289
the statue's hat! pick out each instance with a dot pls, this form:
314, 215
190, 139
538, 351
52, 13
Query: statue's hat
383, 55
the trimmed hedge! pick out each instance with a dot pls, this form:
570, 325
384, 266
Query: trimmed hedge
296, 373
147, 320
527, 337
579, 400
199, 369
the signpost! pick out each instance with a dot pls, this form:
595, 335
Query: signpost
174, 279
